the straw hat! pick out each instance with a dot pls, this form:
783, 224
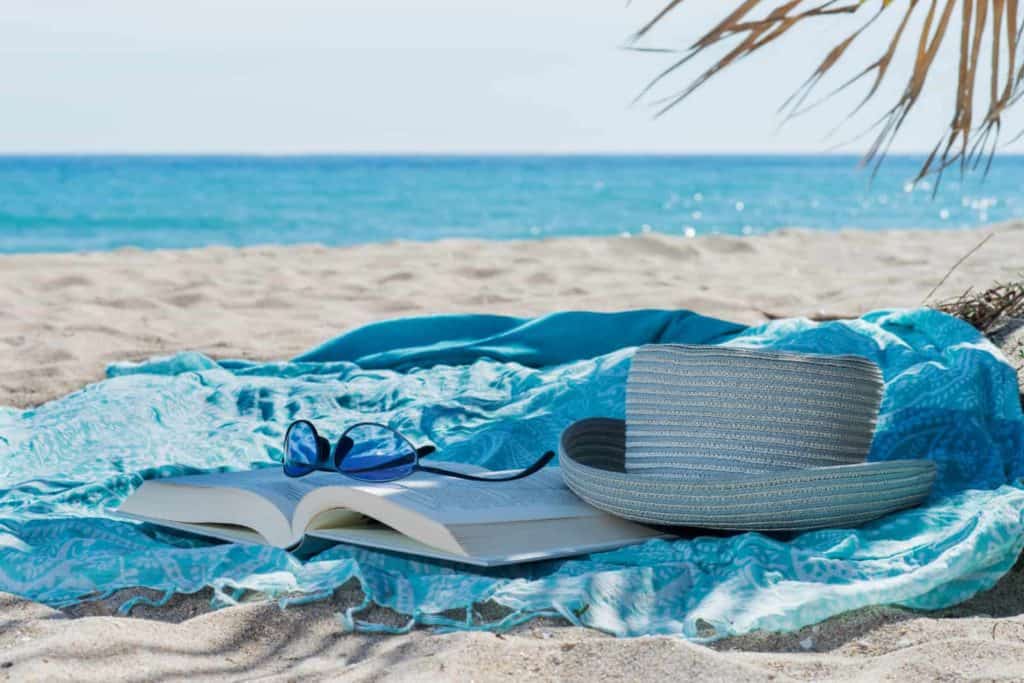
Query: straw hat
740, 439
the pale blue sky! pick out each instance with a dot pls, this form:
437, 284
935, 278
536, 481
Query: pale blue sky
306, 76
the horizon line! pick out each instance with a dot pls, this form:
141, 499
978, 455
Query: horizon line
455, 154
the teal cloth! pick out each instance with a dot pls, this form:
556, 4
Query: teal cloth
497, 391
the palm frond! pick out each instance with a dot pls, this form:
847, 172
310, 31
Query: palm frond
992, 26
988, 309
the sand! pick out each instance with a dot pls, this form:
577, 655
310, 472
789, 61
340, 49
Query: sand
66, 316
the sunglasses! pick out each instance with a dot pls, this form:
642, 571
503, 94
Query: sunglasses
368, 451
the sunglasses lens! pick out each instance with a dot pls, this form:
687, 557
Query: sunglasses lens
378, 453
300, 449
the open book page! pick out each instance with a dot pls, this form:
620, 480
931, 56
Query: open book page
223, 532
372, 535
232, 533
269, 483
262, 500
451, 501
503, 544
487, 522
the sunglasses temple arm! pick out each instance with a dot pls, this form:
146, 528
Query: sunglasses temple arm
374, 468
532, 469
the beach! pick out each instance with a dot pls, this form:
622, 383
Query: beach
68, 315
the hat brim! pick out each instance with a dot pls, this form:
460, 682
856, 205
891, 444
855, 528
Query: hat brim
592, 456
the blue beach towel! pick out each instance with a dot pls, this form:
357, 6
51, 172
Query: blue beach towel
497, 391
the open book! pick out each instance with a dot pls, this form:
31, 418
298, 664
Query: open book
479, 523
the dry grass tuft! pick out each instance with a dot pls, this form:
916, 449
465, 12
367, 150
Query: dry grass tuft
989, 309
987, 35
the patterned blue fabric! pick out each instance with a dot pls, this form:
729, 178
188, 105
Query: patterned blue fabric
498, 391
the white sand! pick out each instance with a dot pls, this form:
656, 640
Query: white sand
66, 316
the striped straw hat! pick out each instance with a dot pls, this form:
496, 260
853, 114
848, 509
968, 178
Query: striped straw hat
740, 439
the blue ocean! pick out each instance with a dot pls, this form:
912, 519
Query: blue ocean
101, 203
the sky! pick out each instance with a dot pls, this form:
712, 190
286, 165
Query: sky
387, 76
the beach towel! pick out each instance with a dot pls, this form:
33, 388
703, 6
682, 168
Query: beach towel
497, 391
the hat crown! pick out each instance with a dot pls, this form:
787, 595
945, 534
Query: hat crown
712, 412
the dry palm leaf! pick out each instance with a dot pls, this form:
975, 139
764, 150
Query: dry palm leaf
971, 137
988, 309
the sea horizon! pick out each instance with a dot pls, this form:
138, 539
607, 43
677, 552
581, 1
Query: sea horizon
100, 202
455, 154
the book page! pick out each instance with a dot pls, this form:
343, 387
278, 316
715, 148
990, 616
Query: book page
223, 532
481, 522
541, 540
449, 500
270, 483
444, 500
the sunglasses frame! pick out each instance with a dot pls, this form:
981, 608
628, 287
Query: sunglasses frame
329, 459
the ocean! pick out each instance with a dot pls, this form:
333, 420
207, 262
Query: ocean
102, 203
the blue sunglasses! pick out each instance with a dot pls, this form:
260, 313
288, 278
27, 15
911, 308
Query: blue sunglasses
368, 451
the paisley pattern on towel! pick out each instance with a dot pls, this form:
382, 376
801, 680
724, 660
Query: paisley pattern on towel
490, 394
